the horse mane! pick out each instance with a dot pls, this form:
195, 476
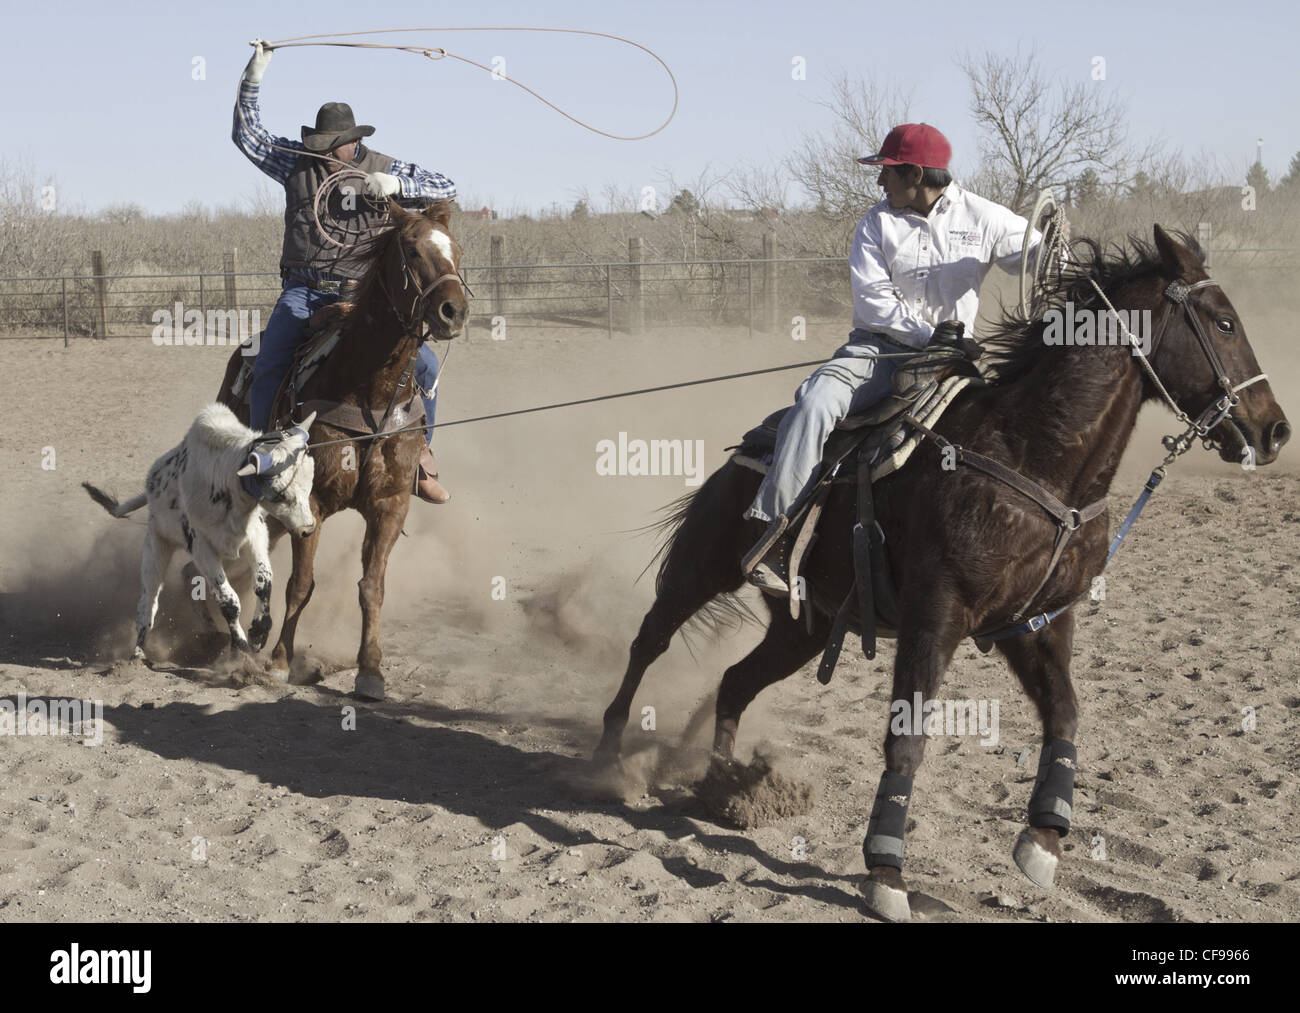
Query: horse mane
1016, 345
376, 246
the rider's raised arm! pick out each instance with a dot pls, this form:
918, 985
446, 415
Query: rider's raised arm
877, 303
263, 148
421, 184
1007, 229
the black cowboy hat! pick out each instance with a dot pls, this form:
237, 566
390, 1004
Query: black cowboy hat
335, 125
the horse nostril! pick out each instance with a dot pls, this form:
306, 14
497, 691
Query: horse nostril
447, 311
1278, 434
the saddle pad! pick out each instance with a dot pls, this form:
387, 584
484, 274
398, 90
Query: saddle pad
896, 440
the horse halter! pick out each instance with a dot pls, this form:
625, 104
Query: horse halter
409, 277
1179, 294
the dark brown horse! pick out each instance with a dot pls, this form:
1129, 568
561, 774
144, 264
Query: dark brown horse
966, 549
413, 288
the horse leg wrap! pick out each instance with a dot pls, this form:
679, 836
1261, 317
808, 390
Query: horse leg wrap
1053, 799
884, 843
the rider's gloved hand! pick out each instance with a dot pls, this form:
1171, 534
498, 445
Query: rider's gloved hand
382, 184
257, 65
971, 347
948, 333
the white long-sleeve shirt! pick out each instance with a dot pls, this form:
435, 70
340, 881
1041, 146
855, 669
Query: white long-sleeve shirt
910, 271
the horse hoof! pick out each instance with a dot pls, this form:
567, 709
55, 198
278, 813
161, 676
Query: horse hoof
278, 674
885, 900
1034, 860
369, 686
607, 760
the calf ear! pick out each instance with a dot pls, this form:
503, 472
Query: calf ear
1177, 259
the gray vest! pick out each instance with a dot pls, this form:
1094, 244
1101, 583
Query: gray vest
304, 248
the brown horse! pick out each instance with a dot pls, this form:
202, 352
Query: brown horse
968, 550
412, 288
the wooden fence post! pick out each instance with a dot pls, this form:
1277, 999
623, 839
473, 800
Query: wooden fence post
232, 290
769, 282
609, 299
101, 292
636, 308
498, 283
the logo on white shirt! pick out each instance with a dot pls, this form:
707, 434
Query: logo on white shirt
966, 237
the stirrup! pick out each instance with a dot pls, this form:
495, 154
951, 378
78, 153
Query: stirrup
763, 546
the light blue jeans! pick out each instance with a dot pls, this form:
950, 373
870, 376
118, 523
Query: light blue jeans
850, 382
284, 331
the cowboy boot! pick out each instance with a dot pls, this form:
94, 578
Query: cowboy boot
427, 486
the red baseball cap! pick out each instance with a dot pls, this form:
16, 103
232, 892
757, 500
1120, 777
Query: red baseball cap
913, 144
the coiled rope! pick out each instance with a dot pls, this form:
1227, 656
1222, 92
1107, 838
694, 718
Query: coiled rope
1051, 257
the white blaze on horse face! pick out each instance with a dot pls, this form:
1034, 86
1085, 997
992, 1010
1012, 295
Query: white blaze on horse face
442, 243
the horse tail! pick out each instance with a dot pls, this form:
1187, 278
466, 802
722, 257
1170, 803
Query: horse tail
113, 506
702, 542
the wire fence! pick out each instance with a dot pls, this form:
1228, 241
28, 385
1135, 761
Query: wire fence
227, 306
614, 296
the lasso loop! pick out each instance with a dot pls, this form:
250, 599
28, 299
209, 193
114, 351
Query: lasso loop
442, 53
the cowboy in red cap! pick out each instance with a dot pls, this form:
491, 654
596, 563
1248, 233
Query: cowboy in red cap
916, 265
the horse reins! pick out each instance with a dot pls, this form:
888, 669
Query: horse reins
1178, 293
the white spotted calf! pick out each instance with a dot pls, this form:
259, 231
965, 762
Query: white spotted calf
211, 495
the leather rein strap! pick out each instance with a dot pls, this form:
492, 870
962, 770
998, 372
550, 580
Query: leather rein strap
1178, 293
1068, 519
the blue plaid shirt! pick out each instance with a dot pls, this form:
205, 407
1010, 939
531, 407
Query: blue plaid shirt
255, 141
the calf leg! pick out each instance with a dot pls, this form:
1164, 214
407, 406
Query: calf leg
198, 595
258, 555
209, 564
153, 568
1041, 662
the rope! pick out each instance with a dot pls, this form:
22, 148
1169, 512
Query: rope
1052, 253
441, 53
567, 404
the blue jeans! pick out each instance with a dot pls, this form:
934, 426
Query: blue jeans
284, 331
851, 382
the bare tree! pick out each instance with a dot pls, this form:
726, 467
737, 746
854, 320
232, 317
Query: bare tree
825, 165
1038, 132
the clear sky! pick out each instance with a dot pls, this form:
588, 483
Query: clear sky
102, 95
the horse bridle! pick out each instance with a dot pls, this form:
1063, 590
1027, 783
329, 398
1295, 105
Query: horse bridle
1179, 293
409, 277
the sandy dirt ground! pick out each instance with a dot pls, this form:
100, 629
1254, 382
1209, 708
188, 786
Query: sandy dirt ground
219, 794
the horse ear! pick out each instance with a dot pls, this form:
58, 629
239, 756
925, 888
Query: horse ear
439, 213
398, 213
1178, 260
